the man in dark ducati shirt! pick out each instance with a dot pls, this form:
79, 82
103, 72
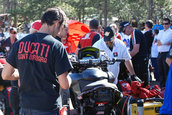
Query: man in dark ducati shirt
42, 65
138, 50
91, 37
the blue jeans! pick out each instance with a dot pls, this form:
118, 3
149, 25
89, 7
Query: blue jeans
155, 66
24, 111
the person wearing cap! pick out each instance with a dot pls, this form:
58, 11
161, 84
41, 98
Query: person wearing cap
41, 64
14, 95
91, 37
7, 45
35, 26
138, 50
115, 48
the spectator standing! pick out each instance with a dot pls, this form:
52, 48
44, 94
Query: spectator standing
158, 25
154, 55
138, 50
40, 60
91, 37
7, 45
149, 35
123, 70
14, 95
163, 43
115, 48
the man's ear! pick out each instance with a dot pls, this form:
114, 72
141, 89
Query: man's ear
56, 22
123, 30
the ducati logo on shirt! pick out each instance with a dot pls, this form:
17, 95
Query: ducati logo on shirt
115, 54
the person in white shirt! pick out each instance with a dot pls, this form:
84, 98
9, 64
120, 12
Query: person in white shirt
164, 41
115, 48
154, 55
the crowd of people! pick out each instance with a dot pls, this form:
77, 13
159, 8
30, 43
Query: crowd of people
38, 65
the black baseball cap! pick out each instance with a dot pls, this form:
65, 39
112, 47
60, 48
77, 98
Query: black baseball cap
108, 34
122, 25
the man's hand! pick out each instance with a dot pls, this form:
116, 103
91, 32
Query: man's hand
159, 43
135, 50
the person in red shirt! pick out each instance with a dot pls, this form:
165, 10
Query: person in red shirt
91, 37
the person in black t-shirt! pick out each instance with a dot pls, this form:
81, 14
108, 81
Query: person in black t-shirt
149, 35
42, 66
138, 50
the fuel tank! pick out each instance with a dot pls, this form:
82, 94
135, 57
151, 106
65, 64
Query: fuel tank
90, 75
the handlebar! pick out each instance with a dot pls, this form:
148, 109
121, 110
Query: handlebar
97, 61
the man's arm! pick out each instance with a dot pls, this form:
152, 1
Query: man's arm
168, 61
133, 77
135, 50
159, 43
64, 80
129, 66
9, 72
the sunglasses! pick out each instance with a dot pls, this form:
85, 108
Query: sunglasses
13, 32
166, 23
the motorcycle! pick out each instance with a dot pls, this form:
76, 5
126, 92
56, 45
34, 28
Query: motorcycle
4, 91
92, 90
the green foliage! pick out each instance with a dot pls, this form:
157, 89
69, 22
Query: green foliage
85, 9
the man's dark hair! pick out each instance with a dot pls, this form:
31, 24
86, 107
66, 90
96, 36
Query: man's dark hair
134, 23
149, 24
51, 15
167, 19
94, 24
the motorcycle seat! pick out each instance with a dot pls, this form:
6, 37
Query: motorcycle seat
100, 83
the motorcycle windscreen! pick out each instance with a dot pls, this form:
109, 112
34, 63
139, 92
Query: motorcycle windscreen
88, 52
